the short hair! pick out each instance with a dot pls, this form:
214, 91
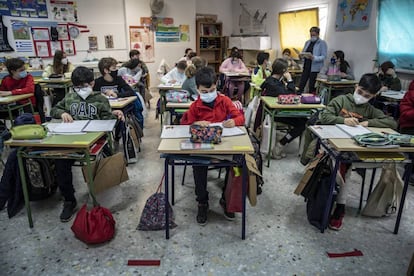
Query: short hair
279, 66
106, 63
370, 82
191, 54
287, 51
132, 64
205, 77
13, 64
386, 65
133, 53
261, 57
187, 50
196, 64
315, 29
182, 65
81, 75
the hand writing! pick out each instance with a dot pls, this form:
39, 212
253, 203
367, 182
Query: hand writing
351, 121
66, 118
202, 123
229, 123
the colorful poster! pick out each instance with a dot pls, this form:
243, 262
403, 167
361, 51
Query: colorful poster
142, 39
63, 11
185, 32
353, 14
20, 29
168, 34
33, 8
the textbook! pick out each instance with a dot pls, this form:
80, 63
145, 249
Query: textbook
81, 126
338, 131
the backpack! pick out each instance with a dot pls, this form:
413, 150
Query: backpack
259, 160
316, 193
130, 147
41, 178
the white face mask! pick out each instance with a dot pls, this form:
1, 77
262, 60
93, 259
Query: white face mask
208, 97
64, 61
358, 99
84, 92
314, 38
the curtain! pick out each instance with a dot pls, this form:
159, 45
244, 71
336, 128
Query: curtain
294, 28
395, 33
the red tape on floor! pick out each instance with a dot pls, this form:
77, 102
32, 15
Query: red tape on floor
144, 262
355, 253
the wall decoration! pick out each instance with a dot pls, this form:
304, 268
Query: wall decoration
33, 8
252, 21
63, 33
168, 34
142, 39
4, 41
185, 32
24, 46
40, 34
21, 31
353, 14
109, 41
54, 46
93, 43
42, 48
69, 47
65, 11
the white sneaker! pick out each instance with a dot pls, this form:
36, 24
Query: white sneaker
277, 152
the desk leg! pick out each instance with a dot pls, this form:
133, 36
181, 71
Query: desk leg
22, 172
329, 201
407, 173
244, 192
172, 184
167, 223
90, 178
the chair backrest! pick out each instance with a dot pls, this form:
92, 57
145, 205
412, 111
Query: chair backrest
40, 101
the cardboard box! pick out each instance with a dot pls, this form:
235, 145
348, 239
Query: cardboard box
252, 187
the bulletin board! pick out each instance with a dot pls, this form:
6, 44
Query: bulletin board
33, 8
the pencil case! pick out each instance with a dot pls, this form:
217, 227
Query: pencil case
179, 96
209, 134
310, 99
28, 132
288, 99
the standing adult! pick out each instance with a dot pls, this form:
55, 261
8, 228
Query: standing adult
314, 54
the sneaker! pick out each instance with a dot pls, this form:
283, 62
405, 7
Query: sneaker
277, 152
69, 209
202, 214
228, 215
336, 224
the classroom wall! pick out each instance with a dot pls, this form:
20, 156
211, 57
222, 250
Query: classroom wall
359, 46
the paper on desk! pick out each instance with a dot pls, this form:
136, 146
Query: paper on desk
353, 130
328, 131
73, 127
100, 125
229, 131
175, 131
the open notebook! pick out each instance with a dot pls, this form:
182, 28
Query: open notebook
81, 126
338, 131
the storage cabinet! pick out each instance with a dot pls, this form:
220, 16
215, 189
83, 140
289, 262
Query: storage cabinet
210, 42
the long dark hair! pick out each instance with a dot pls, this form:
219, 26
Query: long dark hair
344, 65
58, 66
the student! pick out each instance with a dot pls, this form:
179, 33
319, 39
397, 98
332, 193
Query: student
354, 109
176, 76
287, 55
337, 66
210, 107
234, 64
18, 81
135, 54
260, 73
313, 63
131, 72
188, 55
190, 84
279, 83
113, 85
388, 77
82, 104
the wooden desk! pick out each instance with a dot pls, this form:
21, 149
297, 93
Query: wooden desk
81, 143
234, 145
55, 83
339, 149
11, 103
163, 89
331, 86
389, 102
274, 109
121, 103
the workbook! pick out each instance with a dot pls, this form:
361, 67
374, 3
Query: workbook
183, 131
338, 131
81, 126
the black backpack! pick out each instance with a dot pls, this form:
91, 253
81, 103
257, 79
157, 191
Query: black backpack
316, 193
40, 177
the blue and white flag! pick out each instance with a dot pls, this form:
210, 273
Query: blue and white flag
24, 46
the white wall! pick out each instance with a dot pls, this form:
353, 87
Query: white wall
359, 46
223, 9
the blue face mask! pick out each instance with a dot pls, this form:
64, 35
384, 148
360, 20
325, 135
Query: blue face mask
333, 60
23, 74
208, 97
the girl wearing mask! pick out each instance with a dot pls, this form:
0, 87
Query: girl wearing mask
337, 66
354, 109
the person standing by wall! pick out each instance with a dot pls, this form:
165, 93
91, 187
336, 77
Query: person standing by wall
314, 54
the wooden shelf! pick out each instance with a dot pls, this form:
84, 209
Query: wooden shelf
209, 34
210, 49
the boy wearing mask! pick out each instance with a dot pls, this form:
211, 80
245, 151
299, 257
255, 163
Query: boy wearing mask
388, 77
210, 107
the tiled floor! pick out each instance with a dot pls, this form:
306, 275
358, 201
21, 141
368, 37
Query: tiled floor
280, 241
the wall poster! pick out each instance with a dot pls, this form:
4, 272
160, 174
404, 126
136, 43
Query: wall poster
63, 11
353, 14
142, 39
33, 8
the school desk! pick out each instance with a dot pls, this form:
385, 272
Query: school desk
80, 144
177, 109
330, 86
62, 83
10, 102
170, 149
342, 150
163, 89
389, 102
274, 109
232, 77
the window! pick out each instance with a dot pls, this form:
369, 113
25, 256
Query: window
395, 33
294, 26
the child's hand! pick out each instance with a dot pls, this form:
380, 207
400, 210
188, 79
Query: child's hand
66, 118
364, 123
172, 81
111, 93
351, 121
202, 123
229, 123
119, 114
